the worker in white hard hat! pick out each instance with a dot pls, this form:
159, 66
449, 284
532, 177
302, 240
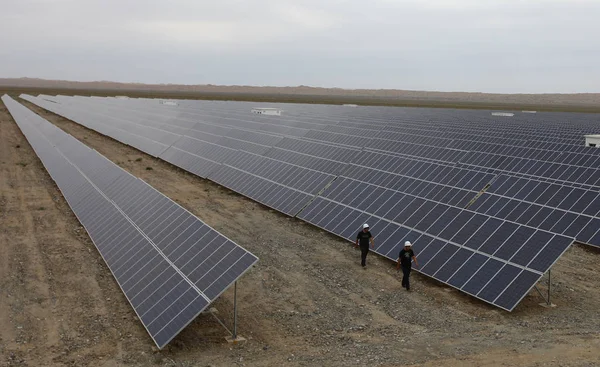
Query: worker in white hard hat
363, 239
405, 258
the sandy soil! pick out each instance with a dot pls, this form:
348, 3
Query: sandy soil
306, 303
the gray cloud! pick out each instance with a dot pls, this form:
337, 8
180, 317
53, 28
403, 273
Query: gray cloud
484, 45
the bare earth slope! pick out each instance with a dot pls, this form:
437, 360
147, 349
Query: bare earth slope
306, 303
579, 100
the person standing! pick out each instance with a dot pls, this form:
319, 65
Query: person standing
405, 258
363, 239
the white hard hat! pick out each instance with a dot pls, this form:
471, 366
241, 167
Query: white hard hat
407, 243
365, 225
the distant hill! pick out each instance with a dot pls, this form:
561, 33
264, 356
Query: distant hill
578, 100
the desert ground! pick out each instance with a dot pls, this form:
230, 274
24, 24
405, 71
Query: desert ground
307, 302
574, 102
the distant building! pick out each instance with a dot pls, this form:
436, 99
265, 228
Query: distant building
267, 111
350, 105
529, 111
592, 140
507, 114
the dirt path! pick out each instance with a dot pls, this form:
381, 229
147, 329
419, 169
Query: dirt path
306, 303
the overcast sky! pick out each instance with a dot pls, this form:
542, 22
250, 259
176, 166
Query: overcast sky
528, 46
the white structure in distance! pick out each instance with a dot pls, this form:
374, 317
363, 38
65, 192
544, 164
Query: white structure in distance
267, 111
507, 114
350, 105
592, 140
169, 103
529, 111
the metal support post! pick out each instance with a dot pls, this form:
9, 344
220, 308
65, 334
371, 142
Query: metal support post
547, 299
235, 310
549, 278
235, 338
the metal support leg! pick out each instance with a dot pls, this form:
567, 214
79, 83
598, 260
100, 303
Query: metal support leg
235, 338
549, 278
235, 310
547, 299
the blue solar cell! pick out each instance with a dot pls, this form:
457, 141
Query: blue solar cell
483, 233
559, 196
528, 213
513, 294
503, 208
518, 211
551, 192
453, 264
587, 233
483, 203
467, 270
393, 241
382, 234
439, 259
442, 222
539, 217
550, 254
565, 221
420, 214
551, 220
456, 224
514, 244
571, 199
584, 201
531, 247
475, 222
408, 210
499, 283
482, 276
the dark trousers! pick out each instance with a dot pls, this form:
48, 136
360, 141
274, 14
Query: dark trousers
406, 276
364, 250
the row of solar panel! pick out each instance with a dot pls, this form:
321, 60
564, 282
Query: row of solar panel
586, 177
282, 186
482, 127
215, 147
553, 198
169, 264
563, 210
421, 215
418, 118
493, 280
380, 166
79, 193
345, 131
576, 159
438, 134
385, 162
291, 129
331, 126
459, 178
430, 217
281, 151
433, 144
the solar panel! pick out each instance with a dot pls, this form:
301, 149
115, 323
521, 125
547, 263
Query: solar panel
168, 263
414, 168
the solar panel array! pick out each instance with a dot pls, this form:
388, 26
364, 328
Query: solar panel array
168, 263
489, 202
